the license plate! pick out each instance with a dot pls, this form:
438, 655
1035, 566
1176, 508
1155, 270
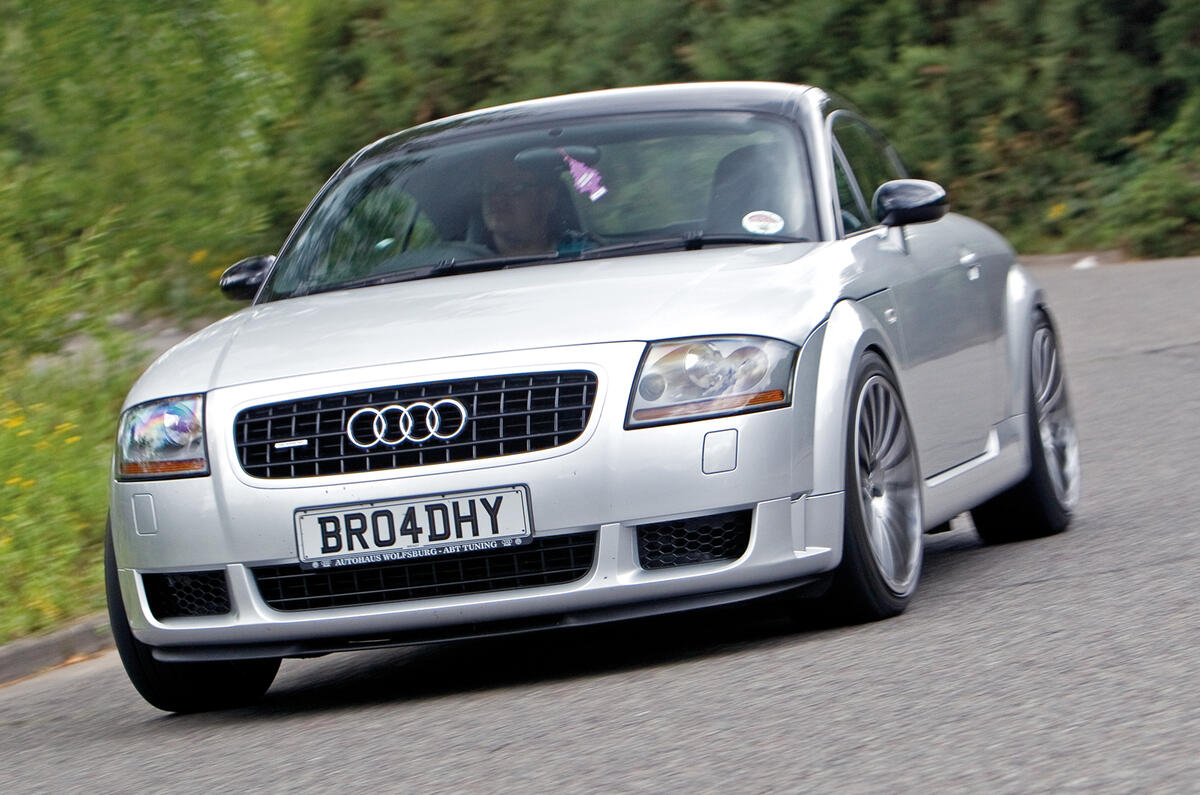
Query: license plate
387, 530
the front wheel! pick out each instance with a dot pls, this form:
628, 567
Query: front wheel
180, 687
1042, 504
882, 543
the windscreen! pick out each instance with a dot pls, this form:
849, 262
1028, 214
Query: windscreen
594, 188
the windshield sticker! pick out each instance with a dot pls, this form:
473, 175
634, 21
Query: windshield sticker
587, 179
762, 222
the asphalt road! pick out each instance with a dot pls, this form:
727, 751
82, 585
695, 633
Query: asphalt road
1068, 663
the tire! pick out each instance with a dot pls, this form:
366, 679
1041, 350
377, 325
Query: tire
882, 542
180, 687
1043, 503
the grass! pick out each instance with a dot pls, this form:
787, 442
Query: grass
57, 426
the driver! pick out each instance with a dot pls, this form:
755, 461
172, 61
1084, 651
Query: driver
518, 208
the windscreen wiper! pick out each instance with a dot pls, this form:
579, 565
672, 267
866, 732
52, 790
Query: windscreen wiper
496, 263
445, 267
688, 242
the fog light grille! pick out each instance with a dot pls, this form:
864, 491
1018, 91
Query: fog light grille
685, 542
194, 593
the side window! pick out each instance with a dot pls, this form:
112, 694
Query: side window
867, 155
854, 213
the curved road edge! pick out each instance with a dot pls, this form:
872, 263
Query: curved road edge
29, 656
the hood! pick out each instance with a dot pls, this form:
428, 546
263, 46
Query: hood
780, 291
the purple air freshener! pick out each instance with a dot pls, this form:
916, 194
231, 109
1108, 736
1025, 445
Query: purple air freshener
587, 179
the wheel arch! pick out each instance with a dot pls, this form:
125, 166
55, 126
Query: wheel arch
851, 331
1024, 297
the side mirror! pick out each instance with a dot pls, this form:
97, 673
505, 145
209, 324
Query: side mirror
240, 282
909, 201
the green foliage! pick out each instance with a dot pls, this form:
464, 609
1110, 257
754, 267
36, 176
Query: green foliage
133, 135
1155, 199
143, 149
55, 445
146, 145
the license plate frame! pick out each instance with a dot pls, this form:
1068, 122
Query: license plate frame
403, 528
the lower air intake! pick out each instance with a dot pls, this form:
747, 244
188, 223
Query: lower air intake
194, 593
553, 560
686, 542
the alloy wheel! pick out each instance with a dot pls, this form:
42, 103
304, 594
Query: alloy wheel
1056, 427
888, 487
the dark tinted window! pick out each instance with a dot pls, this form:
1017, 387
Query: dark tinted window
854, 214
868, 155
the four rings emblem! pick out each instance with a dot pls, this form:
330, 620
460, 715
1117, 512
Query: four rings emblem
415, 422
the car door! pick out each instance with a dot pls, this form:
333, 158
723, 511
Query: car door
946, 331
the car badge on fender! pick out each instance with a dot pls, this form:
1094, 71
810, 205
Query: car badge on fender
417, 422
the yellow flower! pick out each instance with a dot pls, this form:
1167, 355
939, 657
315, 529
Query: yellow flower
25, 432
198, 257
27, 483
13, 422
1057, 211
63, 426
42, 445
13, 481
73, 439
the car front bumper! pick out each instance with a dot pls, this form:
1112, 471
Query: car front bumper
608, 481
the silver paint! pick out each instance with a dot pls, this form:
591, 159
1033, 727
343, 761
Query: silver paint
944, 302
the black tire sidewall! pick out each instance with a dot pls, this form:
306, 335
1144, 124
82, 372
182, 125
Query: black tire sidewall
135, 655
1054, 514
179, 687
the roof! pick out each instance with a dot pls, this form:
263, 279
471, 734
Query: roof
763, 97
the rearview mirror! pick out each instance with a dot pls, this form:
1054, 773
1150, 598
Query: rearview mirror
909, 201
240, 282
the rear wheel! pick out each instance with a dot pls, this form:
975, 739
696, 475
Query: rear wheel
882, 546
180, 687
1042, 504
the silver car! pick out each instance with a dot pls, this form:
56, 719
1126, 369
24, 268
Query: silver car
575, 360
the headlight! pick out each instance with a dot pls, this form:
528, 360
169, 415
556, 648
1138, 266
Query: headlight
162, 438
709, 377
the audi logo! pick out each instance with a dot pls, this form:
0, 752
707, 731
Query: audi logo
416, 422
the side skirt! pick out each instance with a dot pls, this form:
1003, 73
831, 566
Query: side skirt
1003, 463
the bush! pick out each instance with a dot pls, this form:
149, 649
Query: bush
56, 436
1154, 209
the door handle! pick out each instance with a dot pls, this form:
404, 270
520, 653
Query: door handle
969, 260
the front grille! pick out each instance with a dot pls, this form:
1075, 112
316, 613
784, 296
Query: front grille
195, 593
542, 561
505, 415
683, 542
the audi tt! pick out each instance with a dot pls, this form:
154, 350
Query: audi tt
582, 359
